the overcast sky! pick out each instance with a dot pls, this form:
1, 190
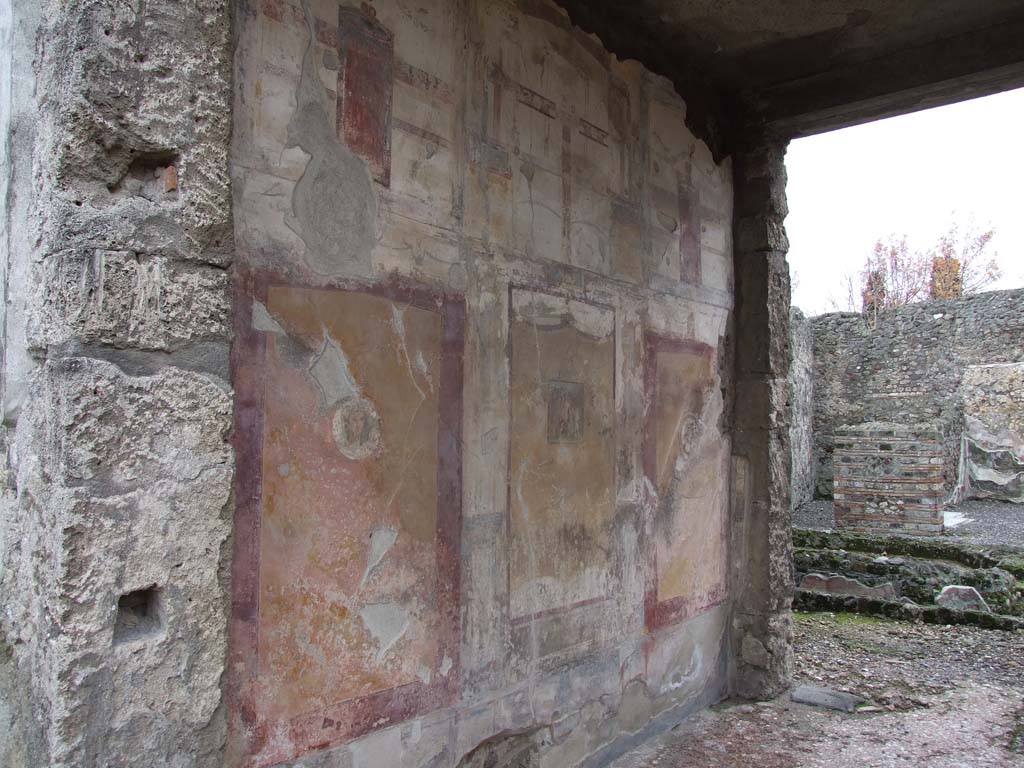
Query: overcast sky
908, 175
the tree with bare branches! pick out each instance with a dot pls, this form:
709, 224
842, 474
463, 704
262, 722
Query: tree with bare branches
894, 274
962, 262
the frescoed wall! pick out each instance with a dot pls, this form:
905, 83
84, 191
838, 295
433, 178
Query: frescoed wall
353, 432
561, 470
481, 309
685, 457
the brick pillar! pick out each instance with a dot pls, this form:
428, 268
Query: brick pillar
762, 575
889, 478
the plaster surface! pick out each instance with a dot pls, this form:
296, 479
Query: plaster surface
993, 441
457, 225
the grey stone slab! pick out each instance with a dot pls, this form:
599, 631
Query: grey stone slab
816, 696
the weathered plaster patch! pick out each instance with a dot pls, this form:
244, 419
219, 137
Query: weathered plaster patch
381, 540
387, 622
330, 371
263, 321
549, 311
334, 207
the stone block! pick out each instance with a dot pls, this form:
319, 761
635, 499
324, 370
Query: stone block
761, 233
754, 398
763, 306
124, 485
842, 585
124, 122
120, 433
124, 299
754, 652
961, 598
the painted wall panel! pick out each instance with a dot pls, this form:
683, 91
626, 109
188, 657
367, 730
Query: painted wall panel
685, 459
357, 506
561, 485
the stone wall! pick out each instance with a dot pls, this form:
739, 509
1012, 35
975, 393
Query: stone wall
482, 370
116, 516
908, 367
801, 433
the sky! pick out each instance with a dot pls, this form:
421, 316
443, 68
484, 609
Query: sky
912, 175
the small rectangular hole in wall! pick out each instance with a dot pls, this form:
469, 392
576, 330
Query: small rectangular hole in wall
139, 615
152, 175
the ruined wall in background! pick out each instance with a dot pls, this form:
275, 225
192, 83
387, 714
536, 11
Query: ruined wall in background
801, 433
116, 514
482, 302
908, 368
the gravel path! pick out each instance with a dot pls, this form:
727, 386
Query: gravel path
942, 697
815, 514
992, 522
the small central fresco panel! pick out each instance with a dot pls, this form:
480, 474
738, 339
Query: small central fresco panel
686, 463
561, 498
350, 593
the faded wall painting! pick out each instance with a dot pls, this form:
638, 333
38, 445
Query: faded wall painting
378, 137
353, 431
365, 65
674, 212
403, 174
686, 465
561, 462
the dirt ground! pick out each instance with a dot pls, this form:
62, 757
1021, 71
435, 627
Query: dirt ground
940, 697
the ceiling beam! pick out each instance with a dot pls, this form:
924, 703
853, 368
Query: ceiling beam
975, 63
